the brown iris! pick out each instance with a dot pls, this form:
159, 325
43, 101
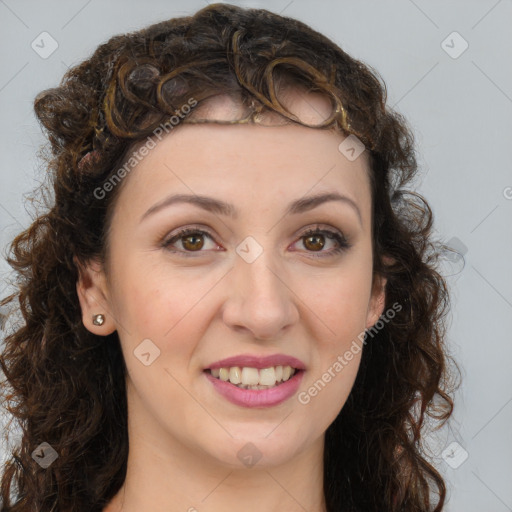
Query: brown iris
317, 244
196, 242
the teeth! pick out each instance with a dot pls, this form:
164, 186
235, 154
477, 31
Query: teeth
252, 378
267, 377
235, 375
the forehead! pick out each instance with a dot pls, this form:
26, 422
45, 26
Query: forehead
258, 169
248, 165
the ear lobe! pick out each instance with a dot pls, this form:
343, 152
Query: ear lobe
377, 301
93, 296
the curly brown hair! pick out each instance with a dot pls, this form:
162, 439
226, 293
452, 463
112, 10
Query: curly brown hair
66, 386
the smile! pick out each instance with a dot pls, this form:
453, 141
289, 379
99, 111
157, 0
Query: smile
254, 378
257, 395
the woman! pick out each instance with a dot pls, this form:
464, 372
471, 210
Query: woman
232, 301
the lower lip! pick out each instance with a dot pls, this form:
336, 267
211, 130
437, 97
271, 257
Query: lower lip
257, 397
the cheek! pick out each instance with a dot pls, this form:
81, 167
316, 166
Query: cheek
339, 329
170, 308
339, 301
339, 308
172, 312
326, 391
340, 315
342, 309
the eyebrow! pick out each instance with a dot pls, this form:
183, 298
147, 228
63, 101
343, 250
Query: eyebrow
219, 207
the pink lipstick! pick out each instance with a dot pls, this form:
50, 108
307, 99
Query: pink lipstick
254, 381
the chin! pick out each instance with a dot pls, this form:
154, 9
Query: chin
256, 450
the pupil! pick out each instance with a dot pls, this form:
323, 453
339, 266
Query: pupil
315, 237
194, 245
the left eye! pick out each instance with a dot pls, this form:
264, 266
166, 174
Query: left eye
192, 241
317, 237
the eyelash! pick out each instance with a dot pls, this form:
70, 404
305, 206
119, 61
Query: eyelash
343, 244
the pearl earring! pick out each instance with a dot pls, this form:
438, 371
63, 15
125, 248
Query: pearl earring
98, 319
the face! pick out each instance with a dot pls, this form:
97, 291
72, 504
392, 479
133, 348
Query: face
262, 279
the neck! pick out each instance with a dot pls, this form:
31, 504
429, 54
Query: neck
164, 475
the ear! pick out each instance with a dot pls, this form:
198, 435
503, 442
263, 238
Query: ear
377, 301
378, 296
93, 295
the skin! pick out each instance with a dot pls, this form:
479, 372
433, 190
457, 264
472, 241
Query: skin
184, 437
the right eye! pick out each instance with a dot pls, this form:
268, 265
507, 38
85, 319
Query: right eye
190, 239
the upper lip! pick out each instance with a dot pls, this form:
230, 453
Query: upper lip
253, 361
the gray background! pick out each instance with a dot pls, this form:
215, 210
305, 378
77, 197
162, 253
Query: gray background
460, 110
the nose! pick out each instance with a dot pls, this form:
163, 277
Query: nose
260, 301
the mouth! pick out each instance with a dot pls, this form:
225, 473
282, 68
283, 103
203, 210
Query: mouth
256, 382
252, 381
254, 378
